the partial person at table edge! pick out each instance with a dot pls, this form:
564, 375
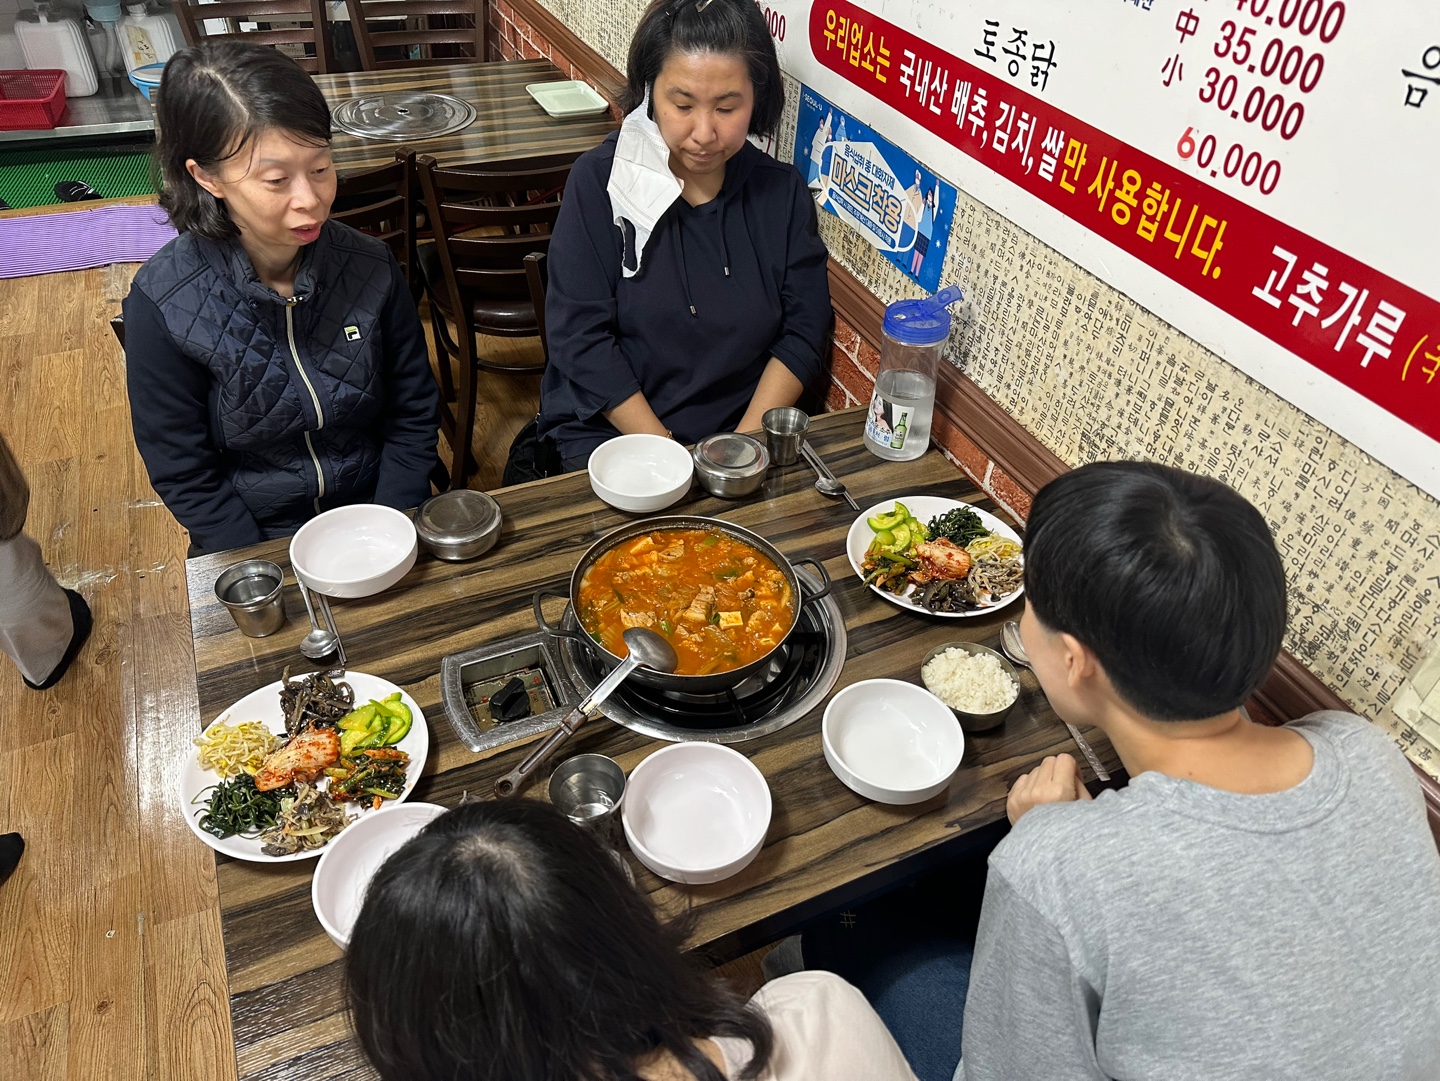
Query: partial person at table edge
505, 943
275, 360
687, 279
1247, 906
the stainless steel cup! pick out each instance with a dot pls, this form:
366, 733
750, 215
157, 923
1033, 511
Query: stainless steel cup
587, 789
785, 428
252, 592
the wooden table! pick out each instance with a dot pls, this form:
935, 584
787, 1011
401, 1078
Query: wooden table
826, 845
508, 123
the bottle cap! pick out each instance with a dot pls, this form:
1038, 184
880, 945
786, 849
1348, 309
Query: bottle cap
916, 322
135, 9
103, 13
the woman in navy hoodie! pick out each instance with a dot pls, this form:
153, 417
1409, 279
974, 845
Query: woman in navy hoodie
274, 359
688, 289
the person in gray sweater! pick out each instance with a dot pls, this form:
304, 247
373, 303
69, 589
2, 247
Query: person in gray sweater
1258, 903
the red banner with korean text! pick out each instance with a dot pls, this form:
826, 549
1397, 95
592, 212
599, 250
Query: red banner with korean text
1376, 335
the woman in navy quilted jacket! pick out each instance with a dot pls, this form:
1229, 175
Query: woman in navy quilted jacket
275, 360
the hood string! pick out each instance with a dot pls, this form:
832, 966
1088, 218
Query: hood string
680, 247
684, 273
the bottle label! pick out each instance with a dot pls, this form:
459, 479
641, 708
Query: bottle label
887, 422
141, 47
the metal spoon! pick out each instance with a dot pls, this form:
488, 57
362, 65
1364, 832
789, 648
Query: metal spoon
825, 482
322, 602
645, 648
321, 641
1013, 648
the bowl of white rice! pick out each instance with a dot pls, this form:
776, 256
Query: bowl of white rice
974, 681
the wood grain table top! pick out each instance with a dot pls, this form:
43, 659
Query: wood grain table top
508, 123
826, 846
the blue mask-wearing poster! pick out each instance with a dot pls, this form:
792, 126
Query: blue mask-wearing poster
868, 182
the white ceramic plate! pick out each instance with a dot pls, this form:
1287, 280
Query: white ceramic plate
264, 705
569, 97
924, 507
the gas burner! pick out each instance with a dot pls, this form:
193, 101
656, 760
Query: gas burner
797, 679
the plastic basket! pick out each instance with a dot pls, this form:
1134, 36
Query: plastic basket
31, 99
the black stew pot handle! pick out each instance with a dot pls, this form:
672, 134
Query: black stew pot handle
825, 586
543, 623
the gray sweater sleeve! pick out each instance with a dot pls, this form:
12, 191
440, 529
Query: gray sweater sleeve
1028, 1013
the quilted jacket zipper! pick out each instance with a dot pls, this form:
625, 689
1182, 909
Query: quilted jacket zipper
305, 378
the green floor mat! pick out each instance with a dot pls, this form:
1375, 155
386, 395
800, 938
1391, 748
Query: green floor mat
28, 177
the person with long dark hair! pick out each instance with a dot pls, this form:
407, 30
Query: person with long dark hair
504, 944
275, 360
688, 290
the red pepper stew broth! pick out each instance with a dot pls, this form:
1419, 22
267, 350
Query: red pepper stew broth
718, 601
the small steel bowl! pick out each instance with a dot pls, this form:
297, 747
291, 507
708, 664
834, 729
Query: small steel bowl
731, 465
459, 524
974, 722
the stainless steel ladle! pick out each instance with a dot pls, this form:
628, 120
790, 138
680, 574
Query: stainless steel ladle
645, 648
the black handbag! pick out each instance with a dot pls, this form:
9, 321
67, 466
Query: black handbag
531, 457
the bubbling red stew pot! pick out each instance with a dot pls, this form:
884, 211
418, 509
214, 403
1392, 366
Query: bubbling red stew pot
721, 603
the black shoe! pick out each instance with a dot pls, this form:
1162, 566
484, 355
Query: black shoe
80, 616
12, 846
75, 191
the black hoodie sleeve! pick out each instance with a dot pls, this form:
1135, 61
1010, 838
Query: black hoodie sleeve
412, 402
170, 413
580, 307
805, 293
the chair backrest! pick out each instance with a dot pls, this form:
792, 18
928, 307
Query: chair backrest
378, 201
537, 276
487, 219
445, 32
303, 23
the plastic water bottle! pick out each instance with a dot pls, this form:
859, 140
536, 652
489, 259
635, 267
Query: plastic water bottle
149, 37
50, 41
897, 427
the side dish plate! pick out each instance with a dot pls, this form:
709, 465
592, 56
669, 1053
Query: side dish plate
264, 705
570, 97
923, 507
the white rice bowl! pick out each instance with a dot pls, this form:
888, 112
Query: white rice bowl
970, 682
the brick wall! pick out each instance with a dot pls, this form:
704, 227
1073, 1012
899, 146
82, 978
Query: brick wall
853, 361
518, 40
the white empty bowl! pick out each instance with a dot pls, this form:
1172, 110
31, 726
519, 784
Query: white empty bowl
891, 741
354, 551
350, 861
640, 473
696, 812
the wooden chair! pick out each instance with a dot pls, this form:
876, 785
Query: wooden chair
380, 202
447, 31
305, 24
485, 273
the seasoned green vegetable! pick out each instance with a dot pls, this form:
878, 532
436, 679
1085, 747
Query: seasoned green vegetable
896, 533
237, 807
375, 724
961, 526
